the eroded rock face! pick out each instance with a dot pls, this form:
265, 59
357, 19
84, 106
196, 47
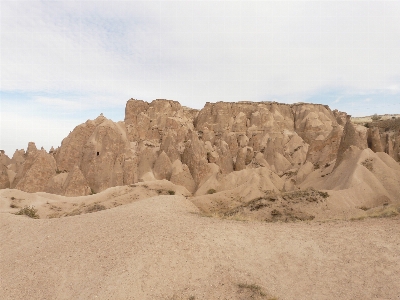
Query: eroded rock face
76, 184
39, 168
149, 121
4, 179
181, 176
195, 157
374, 140
103, 156
353, 135
162, 167
71, 150
195, 149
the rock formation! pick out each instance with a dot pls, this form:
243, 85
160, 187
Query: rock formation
353, 135
198, 149
39, 168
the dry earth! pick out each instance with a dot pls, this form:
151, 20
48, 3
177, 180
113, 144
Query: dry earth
164, 248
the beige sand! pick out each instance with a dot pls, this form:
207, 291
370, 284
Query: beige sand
162, 248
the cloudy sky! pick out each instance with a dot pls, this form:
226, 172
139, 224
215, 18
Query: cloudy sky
63, 62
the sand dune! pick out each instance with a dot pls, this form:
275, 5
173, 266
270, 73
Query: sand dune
162, 248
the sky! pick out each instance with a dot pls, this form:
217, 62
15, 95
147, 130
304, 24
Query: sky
64, 62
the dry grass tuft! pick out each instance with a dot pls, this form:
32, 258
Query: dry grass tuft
254, 291
211, 191
29, 211
368, 164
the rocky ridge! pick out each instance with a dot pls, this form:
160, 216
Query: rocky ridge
200, 150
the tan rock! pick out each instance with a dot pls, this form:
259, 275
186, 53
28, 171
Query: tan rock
102, 156
130, 169
353, 135
304, 171
396, 147
195, 157
76, 184
4, 159
42, 168
162, 167
147, 159
181, 176
4, 179
55, 185
374, 140
324, 151
224, 160
148, 121
71, 150
389, 145
23, 162
169, 146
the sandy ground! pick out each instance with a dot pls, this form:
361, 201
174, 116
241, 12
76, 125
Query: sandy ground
163, 248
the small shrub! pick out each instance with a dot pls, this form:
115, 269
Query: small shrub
12, 198
323, 194
316, 166
92, 192
171, 192
211, 191
29, 211
13, 205
368, 164
375, 117
255, 289
276, 213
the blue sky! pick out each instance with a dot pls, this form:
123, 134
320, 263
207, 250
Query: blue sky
63, 62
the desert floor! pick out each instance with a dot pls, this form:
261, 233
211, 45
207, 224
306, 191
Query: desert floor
164, 248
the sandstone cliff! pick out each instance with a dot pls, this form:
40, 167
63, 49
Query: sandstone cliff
201, 150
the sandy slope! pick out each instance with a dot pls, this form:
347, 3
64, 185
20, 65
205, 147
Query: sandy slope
161, 248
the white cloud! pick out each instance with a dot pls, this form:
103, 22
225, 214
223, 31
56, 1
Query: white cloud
197, 51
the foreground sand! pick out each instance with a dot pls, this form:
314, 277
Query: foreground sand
162, 248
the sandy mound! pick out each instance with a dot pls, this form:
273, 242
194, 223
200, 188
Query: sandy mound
161, 248
55, 206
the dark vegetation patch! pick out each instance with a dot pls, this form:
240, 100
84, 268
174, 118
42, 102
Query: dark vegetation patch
272, 207
29, 211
